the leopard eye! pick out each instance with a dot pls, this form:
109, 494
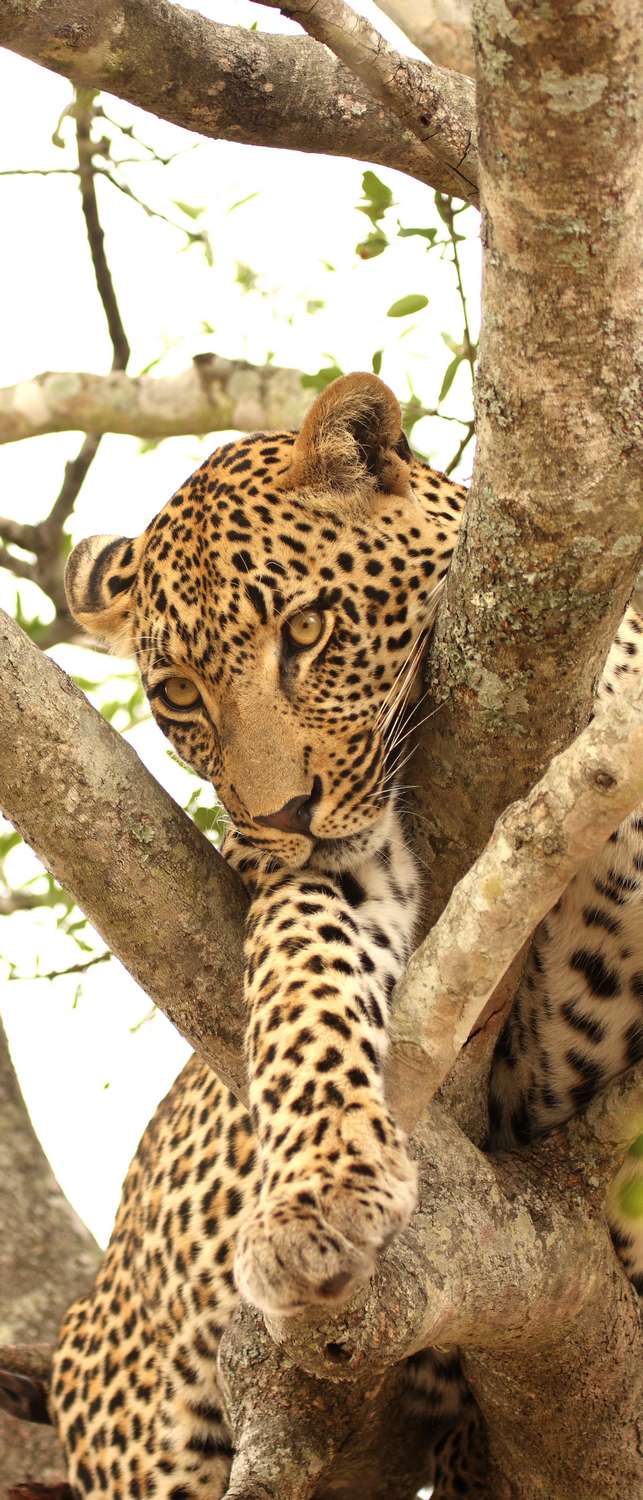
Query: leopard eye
180, 692
306, 627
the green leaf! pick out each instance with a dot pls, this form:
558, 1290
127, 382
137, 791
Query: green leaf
451, 344
314, 305
151, 365
630, 1198
324, 377
240, 201
443, 205
189, 209
373, 245
8, 841
245, 277
406, 305
377, 197
376, 362
449, 376
427, 234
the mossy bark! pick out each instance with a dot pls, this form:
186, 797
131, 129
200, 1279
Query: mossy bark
553, 536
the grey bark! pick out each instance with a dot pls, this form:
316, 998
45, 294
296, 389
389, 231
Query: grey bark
429, 102
553, 537
214, 394
135, 862
440, 28
47, 1258
546, 1322
233, 84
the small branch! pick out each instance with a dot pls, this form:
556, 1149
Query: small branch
422, 96
17, 565
45, 539
84, 114
461, 448
79, 968
22, 901
75, 473
38, 172
193, 236
536, 847
16, 532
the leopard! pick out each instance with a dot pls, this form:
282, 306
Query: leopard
279, 608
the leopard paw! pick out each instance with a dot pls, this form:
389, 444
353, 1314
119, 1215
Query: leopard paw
313, 1245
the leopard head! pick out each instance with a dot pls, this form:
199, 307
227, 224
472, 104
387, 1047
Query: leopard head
277, 607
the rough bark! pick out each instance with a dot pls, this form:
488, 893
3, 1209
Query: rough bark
232, 84
214, 394
135, 862
441, 28
429, 102
47, 1258
526, 1307
553, 537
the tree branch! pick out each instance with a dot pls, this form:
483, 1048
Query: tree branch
46, 539
231, 84
428, 101
213, 395
68, 782
441, 28
537, 845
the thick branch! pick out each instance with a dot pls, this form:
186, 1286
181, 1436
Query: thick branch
535, 849
441, 28
428, 101
553, 535
213, 395
69, 783
547, 1281
229, 83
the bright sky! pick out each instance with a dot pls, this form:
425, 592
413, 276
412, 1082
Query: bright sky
90, 1079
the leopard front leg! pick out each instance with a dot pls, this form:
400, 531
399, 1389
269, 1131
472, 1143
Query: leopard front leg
336, 1182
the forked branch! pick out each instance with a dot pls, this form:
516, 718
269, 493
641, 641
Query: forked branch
429, 102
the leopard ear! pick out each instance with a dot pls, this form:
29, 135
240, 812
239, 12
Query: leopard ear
99, 580
352, 439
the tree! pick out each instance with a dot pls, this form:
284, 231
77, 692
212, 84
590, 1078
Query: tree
554, 515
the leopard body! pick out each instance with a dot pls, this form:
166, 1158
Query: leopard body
290, 1203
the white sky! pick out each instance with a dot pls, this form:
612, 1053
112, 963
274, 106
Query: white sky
90, 1081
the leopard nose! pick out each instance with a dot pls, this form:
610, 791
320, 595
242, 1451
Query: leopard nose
295, 815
